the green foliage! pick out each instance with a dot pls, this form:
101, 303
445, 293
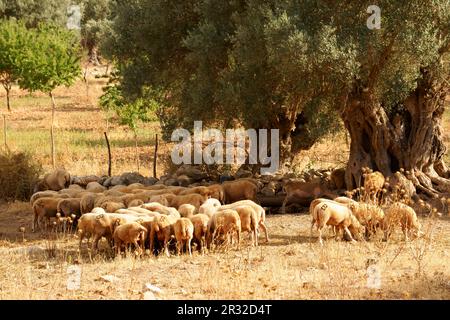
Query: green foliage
128, 113
32, 12
13, 38
52, 59
19, 172
95, 17
265, 64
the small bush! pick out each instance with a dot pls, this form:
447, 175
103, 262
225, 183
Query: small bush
19, 172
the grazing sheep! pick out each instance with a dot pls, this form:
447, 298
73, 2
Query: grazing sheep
224, 224
184, 232
373, 184
401, 215
87, 203
212, 202
161, 199
55, 180
259, 210
334, 214
44, 208
98, 210
200, 222
249, 222
68, 207
239, 190
186, 210
129, 233
162, 229
213, 191
97, 224
345, 200
369, 215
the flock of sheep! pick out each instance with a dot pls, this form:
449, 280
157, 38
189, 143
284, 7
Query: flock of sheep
150, 216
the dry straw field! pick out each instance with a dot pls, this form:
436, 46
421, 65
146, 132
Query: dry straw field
291, 266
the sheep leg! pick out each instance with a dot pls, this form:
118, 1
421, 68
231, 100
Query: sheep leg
349, 234
95, 243
179, 246
238, 238
320, 235
136, 245
263, 226
189, 247
166, 247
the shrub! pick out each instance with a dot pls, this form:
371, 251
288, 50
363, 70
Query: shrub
19, 172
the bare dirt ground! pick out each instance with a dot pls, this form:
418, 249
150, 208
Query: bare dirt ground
292, 266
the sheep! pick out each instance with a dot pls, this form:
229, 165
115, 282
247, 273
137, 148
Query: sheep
249, 222
239, 190
369, 215
44, 208
259, 210
335, 214
161, 199
214, 191
129, 233
135, 203
154, 206
95, 187
87, 203
98, 210
303, 190
111, 206
162, 228
194, 199
184, 232
46, 194
212, 202
97, 224
373, 184
224, 224
345, 200
69, 206
186, 210
144, 211
200, 222
55, 180
400, 214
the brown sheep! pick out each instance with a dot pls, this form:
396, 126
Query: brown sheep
224, 223
160, 199
259, 210
249, 222
97, 224
303, 190
373, 184
47, 194
213, 191
338, 178
162, 229
157, 207
44, 208
184, 232
95, 187
56, 180
187, 210
239, 190
129, 233
334, 214
135, 203
200, 222
68, 207
369, 215
87, 203
401, 215
194, 199
111, 206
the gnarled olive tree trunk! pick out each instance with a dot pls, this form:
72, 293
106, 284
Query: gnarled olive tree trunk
412, 139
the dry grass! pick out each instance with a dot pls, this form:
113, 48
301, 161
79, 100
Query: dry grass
291, 266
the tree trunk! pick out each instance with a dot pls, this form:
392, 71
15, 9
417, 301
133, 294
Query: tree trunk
136, 148
52, 133
412, 139
8, 90
93, 55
